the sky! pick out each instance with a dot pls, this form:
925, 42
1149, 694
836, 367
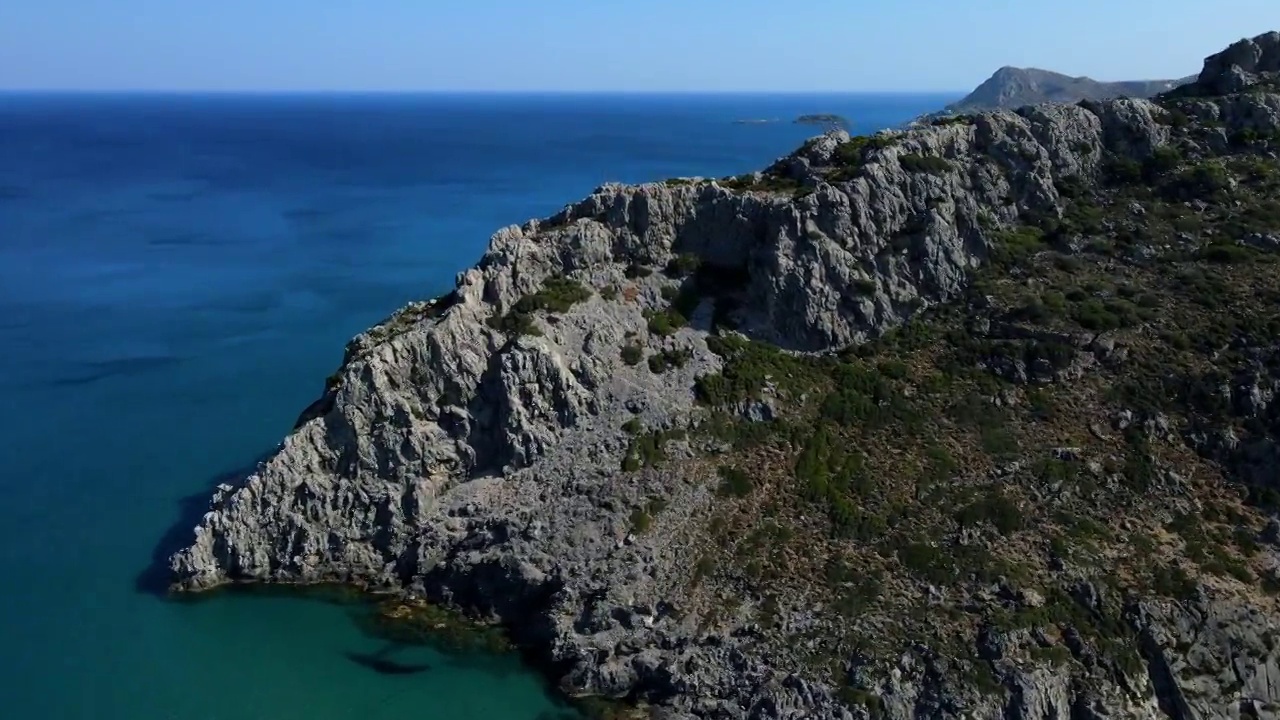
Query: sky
603, 45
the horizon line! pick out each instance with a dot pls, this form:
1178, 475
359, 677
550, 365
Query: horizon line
198, 91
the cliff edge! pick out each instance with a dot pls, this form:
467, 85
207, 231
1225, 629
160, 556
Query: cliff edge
973, 420
1010, 87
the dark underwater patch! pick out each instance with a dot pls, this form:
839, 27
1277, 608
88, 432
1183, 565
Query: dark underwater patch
380, 663
14, 192
190, 239
101, 370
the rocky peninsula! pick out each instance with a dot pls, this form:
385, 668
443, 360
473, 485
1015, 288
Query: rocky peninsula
975, 420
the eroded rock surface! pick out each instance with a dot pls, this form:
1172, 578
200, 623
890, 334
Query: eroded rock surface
507, 472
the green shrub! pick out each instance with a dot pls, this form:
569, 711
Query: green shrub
831, 476
687, 300
940, 466
1053, 655
1227, 253
1207, 181
952, 120
1094, 315
998, 442
632, 354
857, 697
1172, 581
1053, 471
1139, 468
1041, 405
682, 265
667, 359
734, 482
1121, 171
893, 369
1014, 246
767, 182
1078, 218
557, 294
514, 324
930, 164
636, 270
1162, 160
927, 561
748, 364
641, 520
649, 449
1054, 302
992, 507
859, 396
1071, 186
853, 154
1174, 117
665, 322
704, 568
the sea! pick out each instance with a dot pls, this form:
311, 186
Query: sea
178, 275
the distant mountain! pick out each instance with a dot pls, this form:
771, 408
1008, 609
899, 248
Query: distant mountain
1012, 87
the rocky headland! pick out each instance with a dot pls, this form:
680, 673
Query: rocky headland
1010, 88
976, 420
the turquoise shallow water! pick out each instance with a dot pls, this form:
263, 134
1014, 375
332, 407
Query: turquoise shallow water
177, 277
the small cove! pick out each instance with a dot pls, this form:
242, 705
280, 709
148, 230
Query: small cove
178, 275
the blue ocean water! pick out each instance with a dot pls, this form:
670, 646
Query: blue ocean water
178, 274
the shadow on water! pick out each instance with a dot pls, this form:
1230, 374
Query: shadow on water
187, 239
14, 192
380, 663
94, 371
154, 579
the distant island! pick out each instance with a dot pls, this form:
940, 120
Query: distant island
1012, 87
823, 119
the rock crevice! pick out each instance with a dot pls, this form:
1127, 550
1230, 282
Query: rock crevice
454, 458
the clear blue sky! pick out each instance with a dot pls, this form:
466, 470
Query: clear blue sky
799, 45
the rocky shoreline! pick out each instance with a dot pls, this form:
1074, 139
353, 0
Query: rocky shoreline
543, 447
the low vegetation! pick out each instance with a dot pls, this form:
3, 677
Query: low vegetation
930, 164
1044, 433
852, 156
667, 359
557, 295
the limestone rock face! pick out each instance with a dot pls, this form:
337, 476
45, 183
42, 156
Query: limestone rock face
450, 459
1241, 64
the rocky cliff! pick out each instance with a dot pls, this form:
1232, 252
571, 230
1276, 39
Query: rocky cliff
975, 420
1010, 87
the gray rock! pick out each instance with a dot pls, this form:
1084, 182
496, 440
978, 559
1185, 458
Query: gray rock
1235, 68
452, 462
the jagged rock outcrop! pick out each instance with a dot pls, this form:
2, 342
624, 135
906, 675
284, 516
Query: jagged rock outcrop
457, 458
1011, 87
1241, 65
